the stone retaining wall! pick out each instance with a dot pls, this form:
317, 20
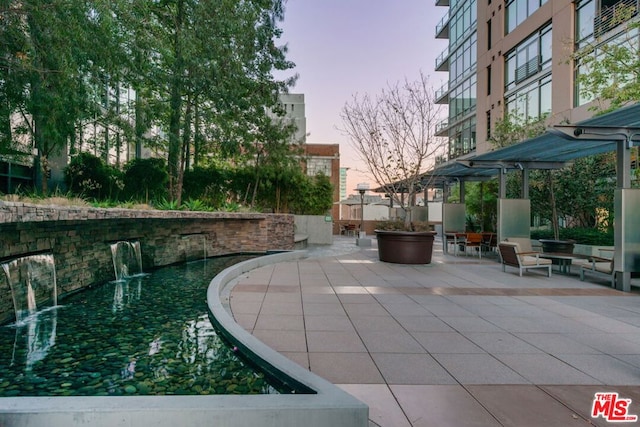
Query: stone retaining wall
80, 239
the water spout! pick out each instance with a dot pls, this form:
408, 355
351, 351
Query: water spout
33, 283
127, 259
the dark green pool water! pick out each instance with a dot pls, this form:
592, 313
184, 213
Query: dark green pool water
148, 336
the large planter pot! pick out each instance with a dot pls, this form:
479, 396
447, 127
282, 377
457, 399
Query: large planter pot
405, 247
560, 246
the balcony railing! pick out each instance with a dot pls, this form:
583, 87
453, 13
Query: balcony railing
442, 61
442, 94
612, 16
442, 128
442, 29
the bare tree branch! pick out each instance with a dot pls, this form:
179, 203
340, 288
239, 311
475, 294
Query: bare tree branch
394, 135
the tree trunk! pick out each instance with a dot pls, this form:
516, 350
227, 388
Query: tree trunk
175, 104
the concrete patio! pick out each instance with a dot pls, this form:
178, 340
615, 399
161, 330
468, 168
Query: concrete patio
457, 342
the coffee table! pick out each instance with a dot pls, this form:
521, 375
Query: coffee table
563, 260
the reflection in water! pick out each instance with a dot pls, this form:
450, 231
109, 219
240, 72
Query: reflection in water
35, 336
126, 293
199, 344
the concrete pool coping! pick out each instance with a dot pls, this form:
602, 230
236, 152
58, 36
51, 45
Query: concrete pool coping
328, 406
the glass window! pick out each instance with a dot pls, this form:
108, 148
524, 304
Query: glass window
585, 12
528, 58
545, 49
545, 96
519, 10
531, 101
511, 19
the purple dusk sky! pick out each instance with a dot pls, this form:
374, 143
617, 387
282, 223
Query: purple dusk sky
344, 47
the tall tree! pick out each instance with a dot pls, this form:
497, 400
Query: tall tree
222, 55
50, 51
394, 134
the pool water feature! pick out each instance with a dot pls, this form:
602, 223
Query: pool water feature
127, 259
149, 335
32, 280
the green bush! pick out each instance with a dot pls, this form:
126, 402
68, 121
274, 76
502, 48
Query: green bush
145, 179
205, 184
583, 236
88, 176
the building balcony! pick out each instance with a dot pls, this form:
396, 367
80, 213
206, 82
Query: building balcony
614, 14
442, 94
442, 29
442, 61
443, 3
442, 128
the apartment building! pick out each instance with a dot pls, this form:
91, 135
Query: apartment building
514, 57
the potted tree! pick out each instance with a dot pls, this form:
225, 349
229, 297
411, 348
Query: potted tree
393, 133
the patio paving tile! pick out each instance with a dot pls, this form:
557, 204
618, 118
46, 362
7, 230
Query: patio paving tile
403, 368
383, 407
446, 342
280, 322
479, 369
345, 368
390, 342
328, 323
442, 406
453, 343
335, 342
545, 369
525, 406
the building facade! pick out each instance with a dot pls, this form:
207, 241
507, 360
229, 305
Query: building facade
293, 104
325, 159
514, 59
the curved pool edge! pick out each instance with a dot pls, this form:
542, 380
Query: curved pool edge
329, 406
323, 396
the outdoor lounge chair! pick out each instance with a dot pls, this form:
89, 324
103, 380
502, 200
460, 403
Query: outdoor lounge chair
511, 255
599, 266
524, 243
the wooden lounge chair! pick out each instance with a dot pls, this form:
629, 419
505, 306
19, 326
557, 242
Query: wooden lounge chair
599, 266
511, 256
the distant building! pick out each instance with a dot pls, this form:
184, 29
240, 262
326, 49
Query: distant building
293, 104
343, 183
375, 208
325, 158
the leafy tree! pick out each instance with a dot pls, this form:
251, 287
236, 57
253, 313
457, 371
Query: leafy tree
481, 203
50, 49
314, 196
394, 135
513, 128
609, 70
215, 66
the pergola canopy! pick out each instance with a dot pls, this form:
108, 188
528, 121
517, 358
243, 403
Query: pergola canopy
552, 150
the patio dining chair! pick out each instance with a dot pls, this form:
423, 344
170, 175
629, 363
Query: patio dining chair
473, 241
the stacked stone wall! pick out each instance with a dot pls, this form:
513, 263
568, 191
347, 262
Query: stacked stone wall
80, 239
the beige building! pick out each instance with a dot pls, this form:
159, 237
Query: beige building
515, 57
